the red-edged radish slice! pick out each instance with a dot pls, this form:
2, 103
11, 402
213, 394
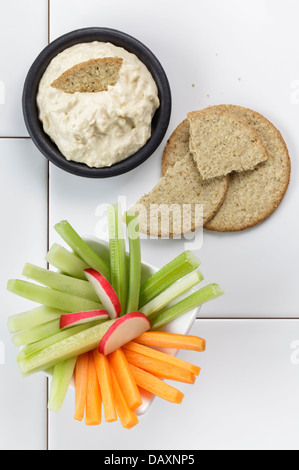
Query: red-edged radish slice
72, 319
105, 291
123, 330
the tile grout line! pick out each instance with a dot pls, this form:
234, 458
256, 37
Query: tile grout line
249, 318
7, 137
48, 241
48, 247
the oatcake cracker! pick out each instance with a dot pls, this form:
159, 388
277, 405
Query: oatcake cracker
172, 207
92, 76
221, 142
254, 195
177, 146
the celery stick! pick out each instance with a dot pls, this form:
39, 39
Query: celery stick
183, 264
134, 261
79, 246
36, 333
66, 262
49, 371
65, 349
31, 318
33, 348
118, 258
51, 298
207, 293
61, 282
40, 332
172, 293
61, 379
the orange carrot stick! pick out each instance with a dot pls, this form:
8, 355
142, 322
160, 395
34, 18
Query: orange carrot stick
171, 340
124, 376
93, 415
145, 394
81, 371
128, 417
159, 368
162, 356
104, 378
156, 386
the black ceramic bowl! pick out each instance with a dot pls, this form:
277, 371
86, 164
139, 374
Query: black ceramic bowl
34, 126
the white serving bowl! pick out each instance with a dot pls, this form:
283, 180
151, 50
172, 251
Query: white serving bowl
180, 325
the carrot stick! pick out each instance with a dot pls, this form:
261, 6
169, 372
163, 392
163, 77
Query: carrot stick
171, 340
159, 368
104, 378
162, 356
145, 394
128, 417
156, 386
124, 376
93, 415
81, 370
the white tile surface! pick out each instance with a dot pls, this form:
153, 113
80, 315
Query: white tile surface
257, 268
23, 34
245, 398
23, 195
232, 52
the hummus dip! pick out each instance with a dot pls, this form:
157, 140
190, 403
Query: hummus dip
98, 129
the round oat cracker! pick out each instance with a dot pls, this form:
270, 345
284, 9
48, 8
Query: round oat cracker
254, 195
177, 146
221, 143
170, 209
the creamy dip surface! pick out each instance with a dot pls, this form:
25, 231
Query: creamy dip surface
98, 129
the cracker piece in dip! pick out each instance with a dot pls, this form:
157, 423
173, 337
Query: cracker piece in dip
91, 76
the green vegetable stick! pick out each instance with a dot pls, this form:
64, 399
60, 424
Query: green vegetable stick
51, 298
65, 349
40, 332
61, 379
66, 262
134, 261
118, 258
61, 282
207, 293
33, 348
182, 265
36, 333
171, 293
79, 246
31, 318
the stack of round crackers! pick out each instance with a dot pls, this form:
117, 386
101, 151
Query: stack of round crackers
229, 159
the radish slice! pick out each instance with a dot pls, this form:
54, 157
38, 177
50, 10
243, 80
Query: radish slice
72, 319
105, 291
123, 330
